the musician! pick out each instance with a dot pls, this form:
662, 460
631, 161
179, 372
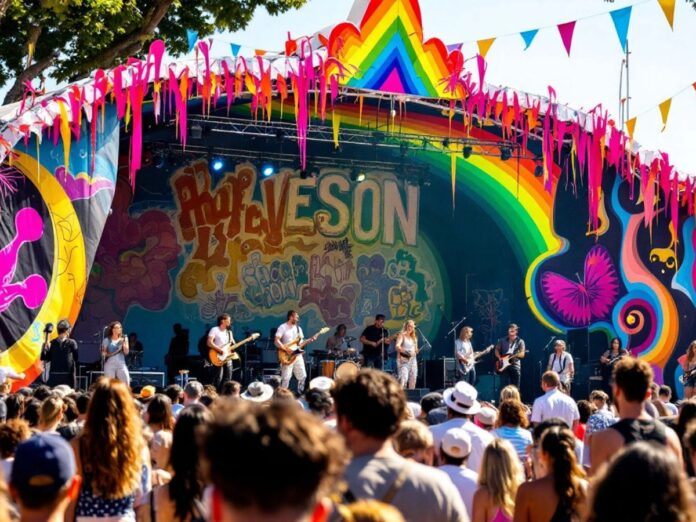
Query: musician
406, 355
509, 346
114, 350
688, 365
60, 357
608, 360
285, 334
464, 353
337, 342
373, 339
561, 362
178, 350
219, 337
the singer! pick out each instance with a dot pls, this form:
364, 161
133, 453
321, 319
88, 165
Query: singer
114, 351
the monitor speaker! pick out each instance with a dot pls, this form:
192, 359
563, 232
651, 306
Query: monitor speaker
439, 373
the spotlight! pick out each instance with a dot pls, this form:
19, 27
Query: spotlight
466, 151
268, 169
357, 175
217, 164
196, 131
505, 152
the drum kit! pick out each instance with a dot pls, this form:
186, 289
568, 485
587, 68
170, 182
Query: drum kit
336, 364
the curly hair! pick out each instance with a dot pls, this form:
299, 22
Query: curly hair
512, 412
111, 444
12, 433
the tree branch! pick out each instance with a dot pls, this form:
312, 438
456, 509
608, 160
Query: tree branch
132, 42
17, 89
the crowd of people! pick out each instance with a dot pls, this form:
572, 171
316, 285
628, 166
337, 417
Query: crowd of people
348, 450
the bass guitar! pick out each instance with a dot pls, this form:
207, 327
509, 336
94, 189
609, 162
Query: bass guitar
472, 360
295, 347
229, 351
506, 361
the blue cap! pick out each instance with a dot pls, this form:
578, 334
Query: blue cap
43, 465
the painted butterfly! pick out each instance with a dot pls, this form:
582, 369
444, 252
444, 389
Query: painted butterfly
579, 303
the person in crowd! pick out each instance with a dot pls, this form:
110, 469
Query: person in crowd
511, 392
631, 382
82, 403
111, 456
181, 500
231, 389
486, 418
369, 408
42, 392
665, 396
159, 415
32, 412
15, 406
461, 407
369, 511
554, 403
559, 494
258, 392
585, 409
193, 391
176, 396
319, 403
61, 357
160, 423
69, 428
433, 409
512, 426
12, 433
687, 415
277, 436
499, 478
455, 449
44, 479
51, 414
114, 351
689, 444
414, 441
602, 417
643, 482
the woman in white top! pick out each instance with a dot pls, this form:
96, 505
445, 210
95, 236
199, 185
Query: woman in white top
114, 350
406, 352
464, 352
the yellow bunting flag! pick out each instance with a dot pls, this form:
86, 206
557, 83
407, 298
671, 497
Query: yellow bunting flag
668, 9
336, 120
631, 126
664, 111
485, 45
453, 168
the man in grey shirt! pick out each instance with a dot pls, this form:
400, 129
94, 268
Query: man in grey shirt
510, 350
369, 408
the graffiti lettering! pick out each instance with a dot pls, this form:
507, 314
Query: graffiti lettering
340, 246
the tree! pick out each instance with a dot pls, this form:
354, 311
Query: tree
67, 39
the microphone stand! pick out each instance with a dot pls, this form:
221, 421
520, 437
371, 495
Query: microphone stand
545, 351
428, 346
453, 333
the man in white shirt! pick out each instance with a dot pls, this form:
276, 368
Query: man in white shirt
285, 335
454, 452
461, 407
219, 338
554, 403
561, 362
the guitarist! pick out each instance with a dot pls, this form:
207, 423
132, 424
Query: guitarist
608, 360
464, 352
561, 362
373, 339
511, 345
218, 337
285, 334
689, 365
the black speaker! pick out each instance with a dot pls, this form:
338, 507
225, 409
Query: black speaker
147, 378
436, 377
577, 341
580, 389
416, 394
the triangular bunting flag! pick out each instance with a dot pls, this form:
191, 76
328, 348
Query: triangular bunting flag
566, 31
485, 45
668, 9
664, 111
528, 37
192, 37
454, 47
259, 52
235, 49
631, 126
621, 19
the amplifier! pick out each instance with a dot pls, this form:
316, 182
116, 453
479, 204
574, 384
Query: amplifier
416, 394
440, 373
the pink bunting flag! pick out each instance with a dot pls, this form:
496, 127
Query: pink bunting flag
566, 32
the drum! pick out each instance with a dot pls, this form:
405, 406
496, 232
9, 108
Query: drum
327, 368
347, 369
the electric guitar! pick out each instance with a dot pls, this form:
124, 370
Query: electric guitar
229, 351
506, 361
472, 360
293, 349
687, 375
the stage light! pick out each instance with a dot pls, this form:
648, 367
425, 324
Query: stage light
539, 170
357, 175
196, 131
466, 151
268, 169
505, 153
446, 143
217, 164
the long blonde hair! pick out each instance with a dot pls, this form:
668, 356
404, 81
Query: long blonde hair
111, 444
501, 473
405, 333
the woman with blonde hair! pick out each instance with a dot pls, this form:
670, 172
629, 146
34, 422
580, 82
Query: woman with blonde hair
51, 414
500, 476
111, 456
689, 367
560, 493
406, 352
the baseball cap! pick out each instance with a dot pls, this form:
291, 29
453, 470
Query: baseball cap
456, 443
43, 465
487, 416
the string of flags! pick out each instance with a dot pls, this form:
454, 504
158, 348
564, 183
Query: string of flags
664, 108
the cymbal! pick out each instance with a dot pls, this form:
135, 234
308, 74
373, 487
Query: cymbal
351, 351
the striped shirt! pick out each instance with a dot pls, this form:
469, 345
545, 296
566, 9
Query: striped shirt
517, 436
